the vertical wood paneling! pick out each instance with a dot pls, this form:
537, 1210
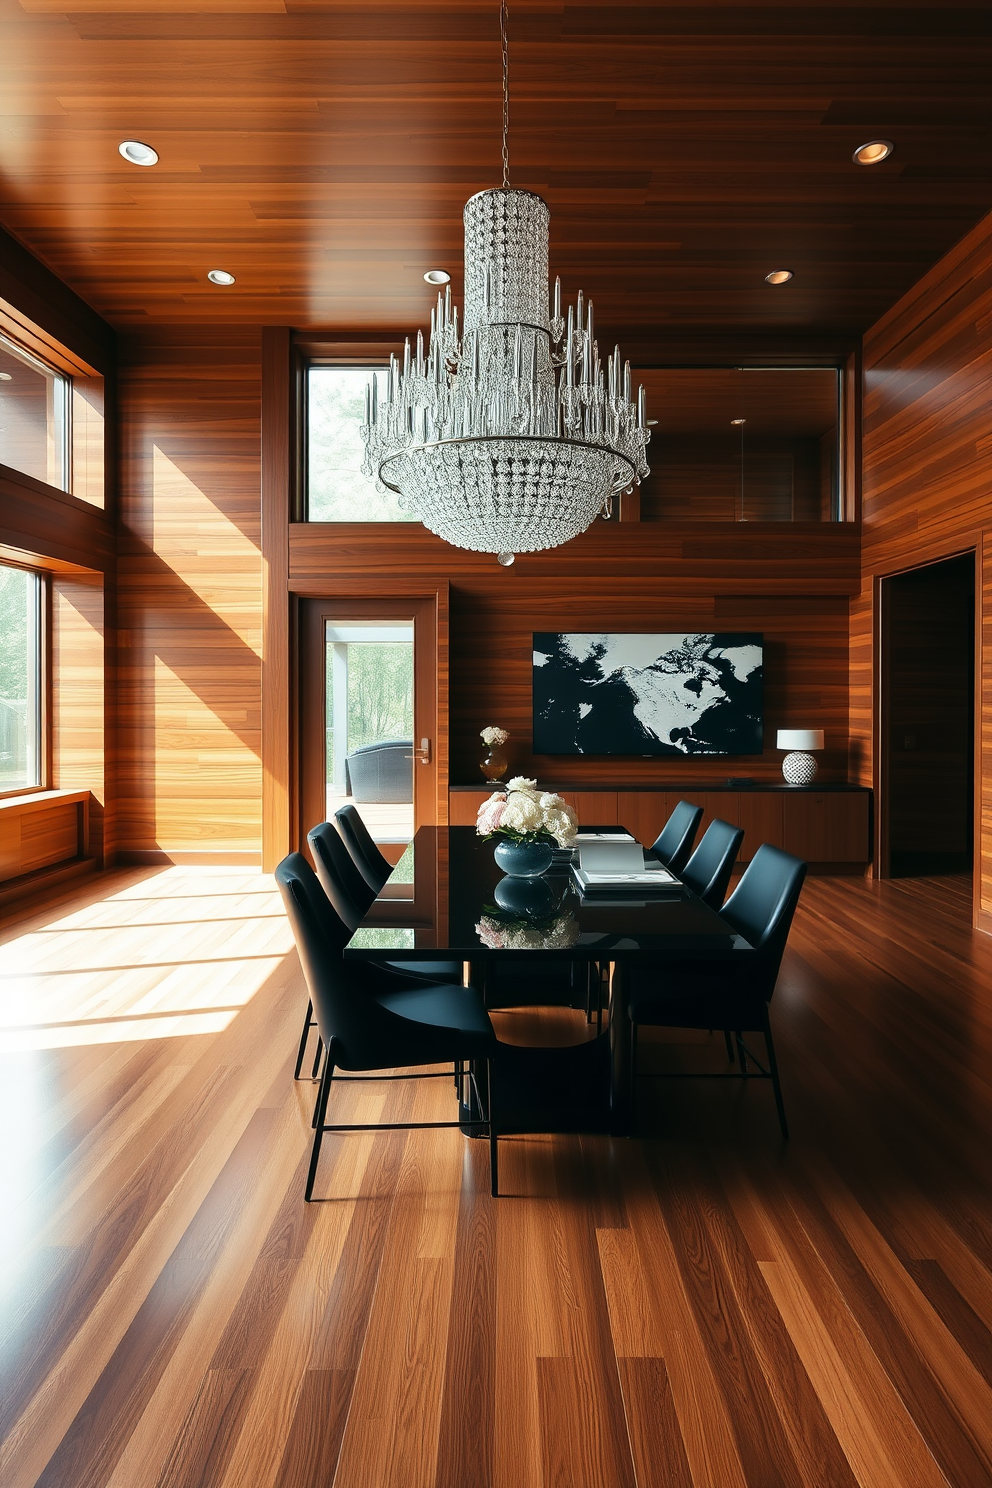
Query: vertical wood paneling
927, 475
190, 591
277, 775
79, 695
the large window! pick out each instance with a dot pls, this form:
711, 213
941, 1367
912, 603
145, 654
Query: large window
34, 416
20, 680
337, 491
743, 444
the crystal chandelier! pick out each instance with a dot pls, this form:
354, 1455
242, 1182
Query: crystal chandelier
512, 436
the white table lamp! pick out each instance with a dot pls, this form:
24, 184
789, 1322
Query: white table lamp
799, 766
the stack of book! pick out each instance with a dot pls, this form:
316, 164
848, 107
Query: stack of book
614, 864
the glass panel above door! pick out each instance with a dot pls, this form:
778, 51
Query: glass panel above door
743, 444
337, 491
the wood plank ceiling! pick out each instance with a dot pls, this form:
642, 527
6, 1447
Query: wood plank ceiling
322, 153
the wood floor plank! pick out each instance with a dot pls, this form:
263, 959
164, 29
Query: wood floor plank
656, 1443
704, 1419
700, 1306
467, 1434
870, 1421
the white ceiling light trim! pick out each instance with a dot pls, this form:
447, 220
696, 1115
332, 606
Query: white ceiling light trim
137, 153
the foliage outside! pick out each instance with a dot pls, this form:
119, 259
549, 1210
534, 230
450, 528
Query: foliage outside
338, 491
380, 695
17, 593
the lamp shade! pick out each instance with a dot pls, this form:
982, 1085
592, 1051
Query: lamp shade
799, 739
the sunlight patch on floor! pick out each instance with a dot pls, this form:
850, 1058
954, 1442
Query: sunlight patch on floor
177, 953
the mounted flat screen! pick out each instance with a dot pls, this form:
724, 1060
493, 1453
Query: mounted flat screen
647, 694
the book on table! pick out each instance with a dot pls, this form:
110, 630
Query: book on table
618, 866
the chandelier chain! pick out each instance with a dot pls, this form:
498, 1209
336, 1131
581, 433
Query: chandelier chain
505, 46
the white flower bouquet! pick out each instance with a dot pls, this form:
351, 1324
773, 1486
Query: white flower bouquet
525, 814
504, 934
493, 736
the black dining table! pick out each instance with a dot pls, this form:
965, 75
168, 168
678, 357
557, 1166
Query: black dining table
457, 910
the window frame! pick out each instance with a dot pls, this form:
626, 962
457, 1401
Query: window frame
304, 360
44, 743
63, 381
844, 509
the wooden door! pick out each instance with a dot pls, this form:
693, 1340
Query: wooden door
429, 741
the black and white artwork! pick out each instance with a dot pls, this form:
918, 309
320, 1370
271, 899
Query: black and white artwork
647, 694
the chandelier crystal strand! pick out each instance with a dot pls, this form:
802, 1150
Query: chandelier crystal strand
511, 437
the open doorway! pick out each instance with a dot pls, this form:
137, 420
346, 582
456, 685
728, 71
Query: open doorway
928, 719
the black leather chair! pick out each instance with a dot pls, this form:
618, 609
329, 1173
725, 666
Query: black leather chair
355, 835
371, 1019
674, 842
708, 871
349, 897
735, 994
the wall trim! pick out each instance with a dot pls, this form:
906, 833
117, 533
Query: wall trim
135, 857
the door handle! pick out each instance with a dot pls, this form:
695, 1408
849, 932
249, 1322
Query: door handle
423, 754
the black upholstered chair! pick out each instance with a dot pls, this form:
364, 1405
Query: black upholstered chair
355, 835
708, 871
349, 896
674, 842
733, 994
371, 1019
339, 876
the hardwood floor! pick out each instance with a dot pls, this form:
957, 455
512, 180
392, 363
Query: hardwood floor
701, 1307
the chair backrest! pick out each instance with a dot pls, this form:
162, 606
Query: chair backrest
339, 878
763, 904
708, 871
674, 842
356, 837
362, 1029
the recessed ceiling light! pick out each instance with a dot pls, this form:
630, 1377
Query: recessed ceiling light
220, 276
6, 377
778, 276
738, 421
873, 152
437, 276
137, 153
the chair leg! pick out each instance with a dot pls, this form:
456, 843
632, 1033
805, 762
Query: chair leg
729, 1043
739, 1039
320, 1115
776, 1083
307, 1025
316, 1058
493, 1153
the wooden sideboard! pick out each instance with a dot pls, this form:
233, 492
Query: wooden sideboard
828, 826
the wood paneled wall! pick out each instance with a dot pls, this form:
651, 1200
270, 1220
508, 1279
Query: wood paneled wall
791, 582
927, 491
82, 701
190, 592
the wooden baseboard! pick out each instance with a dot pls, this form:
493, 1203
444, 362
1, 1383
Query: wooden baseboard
983, 921
181, 858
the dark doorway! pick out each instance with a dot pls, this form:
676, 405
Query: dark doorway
928, 713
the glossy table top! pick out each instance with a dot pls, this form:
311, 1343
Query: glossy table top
457, 878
